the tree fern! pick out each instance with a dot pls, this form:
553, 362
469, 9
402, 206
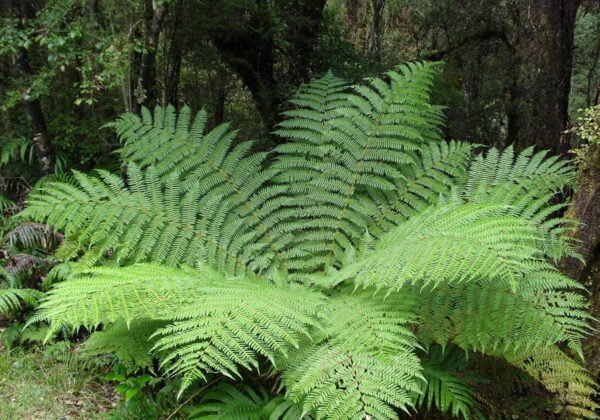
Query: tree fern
364, 239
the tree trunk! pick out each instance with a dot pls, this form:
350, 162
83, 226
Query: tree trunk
352, 7
303, 23
40, 136
145, 92
220, 99
249, 48
376, 48
543, 74
585, 207
589, 90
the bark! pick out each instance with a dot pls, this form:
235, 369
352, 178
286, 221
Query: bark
376, 48
220, 99
145, 91
174, 55
40, 136
249, 48
591, 73
33, 108
352, 7
543, 74
585, 207
95, 13
303, 21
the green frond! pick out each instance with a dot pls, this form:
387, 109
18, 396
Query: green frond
496, 175
232, 183
5, 203
488, 317
131, 345
362, 363
33, 235
232, 402
439, 167
211, 324
561, 375
528, 182
12, 300
145, 221
340, 144
451, 243
108, 295
446, 388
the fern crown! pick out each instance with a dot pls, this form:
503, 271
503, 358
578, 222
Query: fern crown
344, 262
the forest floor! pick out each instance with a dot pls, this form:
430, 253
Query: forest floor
50, 383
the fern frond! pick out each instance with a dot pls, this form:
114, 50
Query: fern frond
439, 167
444, 388
5, 203
451, 243
561, 375
212, 324
103, 217
232, 325
362, 363
491, 175
145, 222
341, 144
131, 345
12, 300
33, 235
231, 182
487, 317
528, 182
230, 402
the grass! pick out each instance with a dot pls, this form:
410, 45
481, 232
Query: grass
51, 383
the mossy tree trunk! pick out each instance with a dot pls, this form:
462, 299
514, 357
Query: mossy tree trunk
586, 208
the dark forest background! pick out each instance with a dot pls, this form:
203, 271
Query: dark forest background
516, 71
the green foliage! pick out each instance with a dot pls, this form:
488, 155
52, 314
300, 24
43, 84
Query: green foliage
228, 402
364, 238
445, 388
587, 131
362, 363
11, 300
217, 324
132, 346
